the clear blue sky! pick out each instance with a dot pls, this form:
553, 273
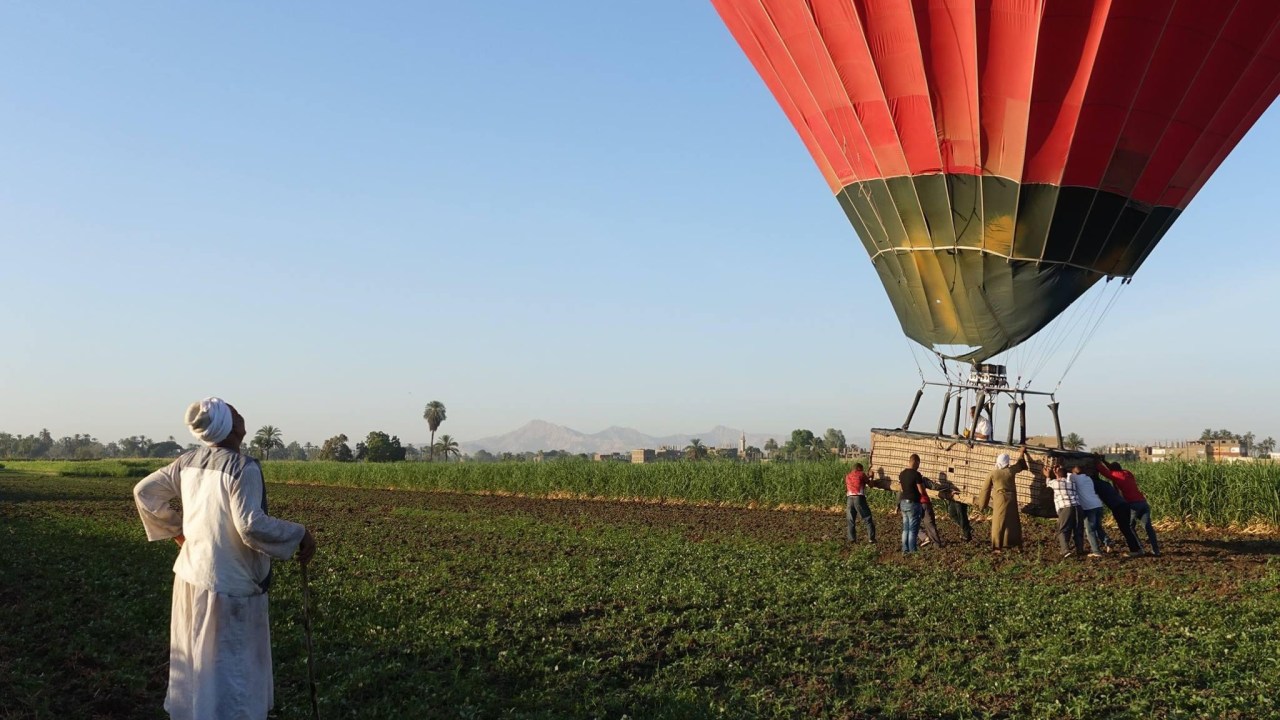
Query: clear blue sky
587, 212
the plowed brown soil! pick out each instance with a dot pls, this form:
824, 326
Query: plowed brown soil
1194, 560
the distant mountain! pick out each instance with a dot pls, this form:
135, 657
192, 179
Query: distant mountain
542, 435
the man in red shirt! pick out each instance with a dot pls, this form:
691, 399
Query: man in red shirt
1140, 511
855, 485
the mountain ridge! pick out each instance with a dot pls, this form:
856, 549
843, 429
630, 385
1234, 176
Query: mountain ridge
538, 435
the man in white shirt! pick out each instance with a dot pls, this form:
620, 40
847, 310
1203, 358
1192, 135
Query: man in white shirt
983, 429
1066, 500
219, 635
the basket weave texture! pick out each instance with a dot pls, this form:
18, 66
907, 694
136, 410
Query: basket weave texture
956, 470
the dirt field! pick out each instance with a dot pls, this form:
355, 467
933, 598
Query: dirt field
506, 606
1191, 558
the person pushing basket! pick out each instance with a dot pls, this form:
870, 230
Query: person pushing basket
1000, 493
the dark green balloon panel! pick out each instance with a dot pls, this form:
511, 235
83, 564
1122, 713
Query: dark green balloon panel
984, 262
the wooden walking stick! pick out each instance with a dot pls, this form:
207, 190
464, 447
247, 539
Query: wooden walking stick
306, 627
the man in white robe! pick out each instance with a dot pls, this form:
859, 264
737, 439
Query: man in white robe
219, 635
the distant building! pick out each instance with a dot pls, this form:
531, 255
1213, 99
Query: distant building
666, 452
1225, 450
611, 457
1120, 451
1228, 451
1184, 450
640, 456
1192, 450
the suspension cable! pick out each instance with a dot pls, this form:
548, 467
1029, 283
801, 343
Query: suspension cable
1084, 315
1090, 333
1062, 327
914, 357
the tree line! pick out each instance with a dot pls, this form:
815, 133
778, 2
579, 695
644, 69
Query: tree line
42, 445
806, 445
266, 444
1249, 442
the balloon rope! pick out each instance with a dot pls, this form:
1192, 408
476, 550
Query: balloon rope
1042, 351
1090, 320
1089, 335
1064, 330
1081, 316
942, 363
914, 358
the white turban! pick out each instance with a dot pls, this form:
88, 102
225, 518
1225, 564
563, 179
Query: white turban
1003, 460
209, 420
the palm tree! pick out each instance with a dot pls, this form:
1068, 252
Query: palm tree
1073, 442
447, 446
268, 438
695, 450
434, 415
1266, 447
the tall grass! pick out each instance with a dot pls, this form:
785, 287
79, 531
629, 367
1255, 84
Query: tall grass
1212, 493
1239, 494
768, 484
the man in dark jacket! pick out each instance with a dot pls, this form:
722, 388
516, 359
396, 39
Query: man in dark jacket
1119, 508
1139, 510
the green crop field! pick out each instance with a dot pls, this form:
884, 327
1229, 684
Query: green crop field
452, 605
1236, 495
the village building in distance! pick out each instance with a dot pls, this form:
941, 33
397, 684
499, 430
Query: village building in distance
1223, 451
640, 456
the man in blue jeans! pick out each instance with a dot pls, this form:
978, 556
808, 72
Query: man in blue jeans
1140, 511
855, 484
911, 484
1114, 501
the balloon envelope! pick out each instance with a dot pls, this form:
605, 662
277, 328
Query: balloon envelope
998, 158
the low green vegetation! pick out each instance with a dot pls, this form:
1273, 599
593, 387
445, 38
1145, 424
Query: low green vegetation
138, 467
461, 606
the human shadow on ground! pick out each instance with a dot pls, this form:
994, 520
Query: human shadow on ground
1241, 546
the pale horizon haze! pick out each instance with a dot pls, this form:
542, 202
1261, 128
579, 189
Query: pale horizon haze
588, 213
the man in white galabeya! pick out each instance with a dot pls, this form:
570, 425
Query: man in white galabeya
219, 636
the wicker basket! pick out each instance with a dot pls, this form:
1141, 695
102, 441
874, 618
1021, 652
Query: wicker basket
957, 469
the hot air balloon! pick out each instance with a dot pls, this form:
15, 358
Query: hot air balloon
998, 158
